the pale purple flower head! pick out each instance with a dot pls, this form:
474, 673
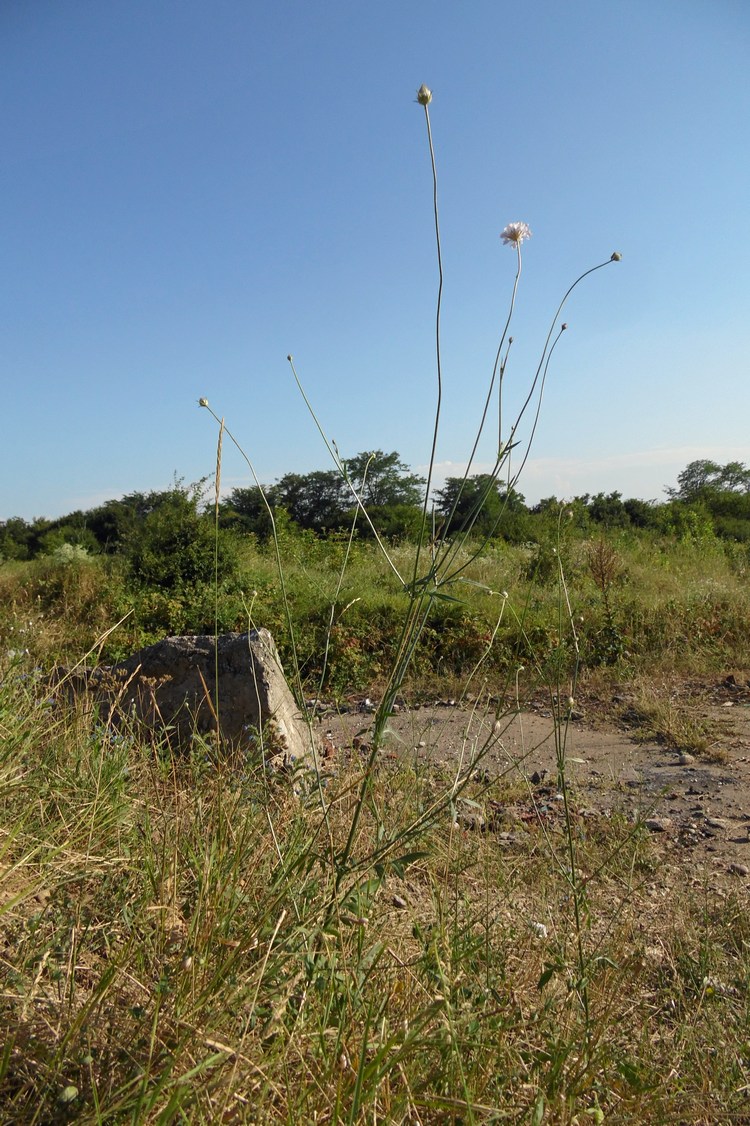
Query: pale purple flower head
515, 233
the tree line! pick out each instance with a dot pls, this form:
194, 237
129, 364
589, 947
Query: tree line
708, 497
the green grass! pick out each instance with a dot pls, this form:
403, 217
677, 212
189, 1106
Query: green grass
174, 948
671, 605
188, 941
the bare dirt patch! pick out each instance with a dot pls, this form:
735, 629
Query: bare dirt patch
696, 805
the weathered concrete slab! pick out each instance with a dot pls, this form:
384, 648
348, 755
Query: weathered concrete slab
170, 688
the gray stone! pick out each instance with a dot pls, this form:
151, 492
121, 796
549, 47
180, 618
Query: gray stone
170, 688
658, 824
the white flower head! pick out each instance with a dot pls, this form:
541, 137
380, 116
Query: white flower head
538, 929
515, 233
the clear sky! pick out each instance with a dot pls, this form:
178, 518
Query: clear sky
192, 189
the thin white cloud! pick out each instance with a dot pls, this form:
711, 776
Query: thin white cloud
637, 473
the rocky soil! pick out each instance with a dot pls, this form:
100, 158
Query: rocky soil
696, 805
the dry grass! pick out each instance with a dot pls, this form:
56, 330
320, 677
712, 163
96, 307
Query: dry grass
174, 950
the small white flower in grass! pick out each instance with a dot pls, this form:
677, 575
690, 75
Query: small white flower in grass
538, 929
515, 233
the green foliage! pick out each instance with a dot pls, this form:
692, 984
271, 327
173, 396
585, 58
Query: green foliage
68, 535
323, 501
690, 522
480, 505
173, 547
163, 934
247, 511
704, 477
383, 480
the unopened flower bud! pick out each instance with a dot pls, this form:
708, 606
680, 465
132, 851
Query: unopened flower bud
203, 402
424, 95
563, 327
616, 256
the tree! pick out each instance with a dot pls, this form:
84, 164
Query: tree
246, 510
383, 479
703, 477
173, 547
644, 513
721, 494
323, 501
608, 509
319, 500
112, 521
477, 504
16, 538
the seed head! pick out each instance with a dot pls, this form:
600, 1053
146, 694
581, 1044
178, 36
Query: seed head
515, 233
424, 95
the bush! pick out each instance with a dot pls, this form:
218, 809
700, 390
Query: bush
174, 548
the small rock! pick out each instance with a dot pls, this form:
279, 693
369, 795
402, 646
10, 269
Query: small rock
658, 824
739, 869
685, 759
472, 821
506, 839
715, 823
399, 901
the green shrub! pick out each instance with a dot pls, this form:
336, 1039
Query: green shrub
175, 548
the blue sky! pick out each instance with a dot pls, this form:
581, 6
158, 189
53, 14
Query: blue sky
193, 189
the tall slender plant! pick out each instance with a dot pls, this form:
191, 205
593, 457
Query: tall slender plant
440, 559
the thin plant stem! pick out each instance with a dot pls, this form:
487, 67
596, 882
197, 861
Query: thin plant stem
217, 496
277, 549
340, 465
438, 355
